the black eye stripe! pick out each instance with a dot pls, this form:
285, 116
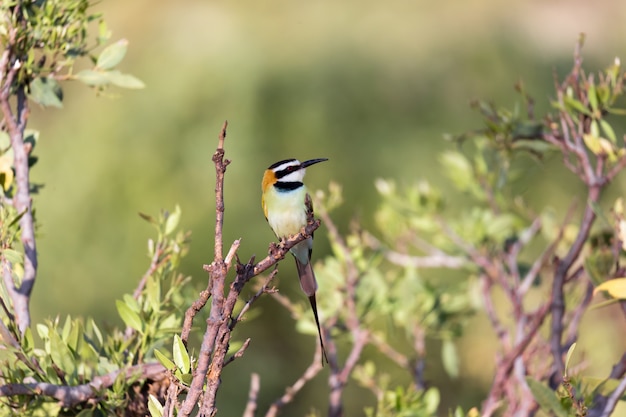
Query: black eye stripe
279, 163
288, 170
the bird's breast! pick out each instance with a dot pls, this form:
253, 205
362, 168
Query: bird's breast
286, 212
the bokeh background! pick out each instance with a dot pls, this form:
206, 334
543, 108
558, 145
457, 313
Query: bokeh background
371, 85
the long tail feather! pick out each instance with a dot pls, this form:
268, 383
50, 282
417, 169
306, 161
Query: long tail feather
309, 286
319, 330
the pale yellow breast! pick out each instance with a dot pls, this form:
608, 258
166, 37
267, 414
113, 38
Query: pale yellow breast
286, 212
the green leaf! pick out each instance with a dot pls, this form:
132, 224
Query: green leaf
181, 357
172, 220
617, 111
593, 98
13, 256
164, 360
124, 80
546, 398
96, 331
608, 130
576, 105
130, 318
153, 292
458, 169
431, 400
46, 91
112, 55
450, 358
568, 357
154, 407
93, 78
61, 354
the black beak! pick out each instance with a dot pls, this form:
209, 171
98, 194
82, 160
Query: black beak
312, 161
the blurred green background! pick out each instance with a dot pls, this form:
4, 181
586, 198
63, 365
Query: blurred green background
370, 85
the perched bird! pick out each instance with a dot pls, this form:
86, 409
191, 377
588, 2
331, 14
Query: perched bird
283, 201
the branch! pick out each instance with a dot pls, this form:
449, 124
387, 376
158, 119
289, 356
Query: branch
558, 284
290, 392
253, 396
217, 277
15, 125
70, 396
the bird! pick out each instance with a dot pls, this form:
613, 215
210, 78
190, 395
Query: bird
283, 199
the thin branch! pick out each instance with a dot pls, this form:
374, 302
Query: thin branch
155, 263
220, 170
239, 352
290, 392
386, 349
70, 396
436, 259
246, 307
253, 396
614, 398
558, 283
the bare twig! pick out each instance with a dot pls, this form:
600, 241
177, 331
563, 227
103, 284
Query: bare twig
253, 395
239, 352
558, 283
290, 392
215, 342
614, 398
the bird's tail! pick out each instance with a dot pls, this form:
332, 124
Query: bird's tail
309, 286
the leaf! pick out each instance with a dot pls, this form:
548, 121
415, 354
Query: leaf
155, 407
164, 360
592, 96
608, 130
13, 256
93, 78
172, 220
130, 318
615, 287
112, 55
61, 354
46, 91
593, 143
147, 218
570, 352
576, 105
545, 397
181, 357
450, 358
124, 80
153, 292
458, 169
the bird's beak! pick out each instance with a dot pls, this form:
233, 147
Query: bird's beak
312, 161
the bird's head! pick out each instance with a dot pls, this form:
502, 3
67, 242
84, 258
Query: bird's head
288, 170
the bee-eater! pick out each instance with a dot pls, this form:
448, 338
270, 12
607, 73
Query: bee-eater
283, 201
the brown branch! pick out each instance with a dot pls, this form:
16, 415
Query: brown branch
558, 284
217, 277
506, 364
290, 392
70, 396
239, 352
246, 307
215, 342
155, 263
253, 396
15, 123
